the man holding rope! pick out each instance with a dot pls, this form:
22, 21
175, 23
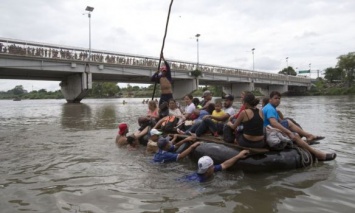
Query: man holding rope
163, 76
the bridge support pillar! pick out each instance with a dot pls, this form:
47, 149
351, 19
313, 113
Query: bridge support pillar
263, 90
75, 87
184, 87
237, 88
280, 88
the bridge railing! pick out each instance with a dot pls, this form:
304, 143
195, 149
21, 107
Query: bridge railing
35, 49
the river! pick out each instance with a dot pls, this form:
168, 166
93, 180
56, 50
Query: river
59, 157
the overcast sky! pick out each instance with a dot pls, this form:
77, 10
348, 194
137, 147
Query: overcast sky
306, 31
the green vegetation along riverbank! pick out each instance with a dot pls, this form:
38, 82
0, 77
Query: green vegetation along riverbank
320, 87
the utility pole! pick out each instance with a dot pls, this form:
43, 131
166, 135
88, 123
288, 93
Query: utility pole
197, 35
89, 9
288, 71
252, 50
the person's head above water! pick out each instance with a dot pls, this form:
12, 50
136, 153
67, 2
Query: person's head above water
123, 128
204, 164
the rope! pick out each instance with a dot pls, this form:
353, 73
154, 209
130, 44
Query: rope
305, 155
162, 48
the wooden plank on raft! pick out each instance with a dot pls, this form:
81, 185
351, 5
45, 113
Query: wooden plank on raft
212, 139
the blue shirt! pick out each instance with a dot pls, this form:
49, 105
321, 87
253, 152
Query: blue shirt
201, 115
269, 111
166, 156
198, 177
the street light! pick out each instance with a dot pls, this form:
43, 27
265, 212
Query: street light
252, 50
286, 62
310, 69
197, 35
288, 71
89, 9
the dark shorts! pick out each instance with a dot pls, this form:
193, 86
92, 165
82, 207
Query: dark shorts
284, 123
165, 98
242, 141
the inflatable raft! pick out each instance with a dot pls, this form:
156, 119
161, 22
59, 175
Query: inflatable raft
286, 159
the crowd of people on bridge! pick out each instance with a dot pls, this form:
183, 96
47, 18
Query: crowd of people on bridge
215, 119
45, 51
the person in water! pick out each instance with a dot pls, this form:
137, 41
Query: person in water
122, 139
163, 76
253, 123
290, 129
152, 146
206, 167
167, 152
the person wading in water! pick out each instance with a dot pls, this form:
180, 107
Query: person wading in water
164, 78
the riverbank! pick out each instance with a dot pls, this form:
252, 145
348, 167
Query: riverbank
322, 87
319, 88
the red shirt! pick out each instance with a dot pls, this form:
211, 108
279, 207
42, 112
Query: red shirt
240, 110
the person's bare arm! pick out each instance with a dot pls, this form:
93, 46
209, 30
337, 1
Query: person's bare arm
274, 123
188, 139
230, 118
238, 121
188, 150
220, 118
280, 114
174, 138
228, 163
157, 125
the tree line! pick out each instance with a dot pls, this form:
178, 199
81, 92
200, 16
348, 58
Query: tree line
344, 70
19, 92
338, 80
99, 90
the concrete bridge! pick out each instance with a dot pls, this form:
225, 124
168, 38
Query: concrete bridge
76, 71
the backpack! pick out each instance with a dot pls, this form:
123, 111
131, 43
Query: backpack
169, 123
276, 140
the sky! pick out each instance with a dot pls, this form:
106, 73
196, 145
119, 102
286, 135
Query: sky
309, 32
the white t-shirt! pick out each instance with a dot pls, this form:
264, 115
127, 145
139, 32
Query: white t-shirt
231, 111
190, 108
176, 112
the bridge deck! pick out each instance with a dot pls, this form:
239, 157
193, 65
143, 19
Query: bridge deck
31, 52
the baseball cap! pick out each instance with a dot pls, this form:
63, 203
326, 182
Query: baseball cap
205, 93
122, 128
155, 132
229, 97
203, 164
162, 142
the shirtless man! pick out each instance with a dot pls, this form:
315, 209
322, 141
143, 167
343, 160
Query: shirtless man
164, 78
121, 138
